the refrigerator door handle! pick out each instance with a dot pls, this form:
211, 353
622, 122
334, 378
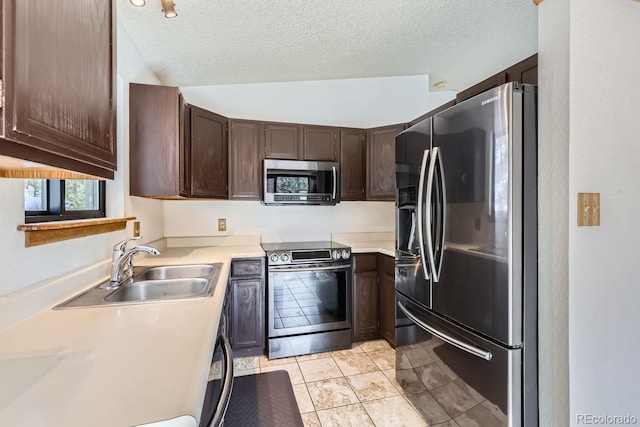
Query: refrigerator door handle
486, 355
423, 169
429, 219
443, 215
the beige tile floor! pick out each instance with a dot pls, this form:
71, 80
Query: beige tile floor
355, 387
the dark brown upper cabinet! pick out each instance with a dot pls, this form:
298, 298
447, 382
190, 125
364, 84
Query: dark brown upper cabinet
158, 142
208, 141
245, 159
352, 164
283, 141
175, 150
525, 71
320, 143
381, 162
58, 62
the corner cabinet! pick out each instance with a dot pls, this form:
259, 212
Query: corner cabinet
58, 76
381, 162
208, 144
247, 310
175, 150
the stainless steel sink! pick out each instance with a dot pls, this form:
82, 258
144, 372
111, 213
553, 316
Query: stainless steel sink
153, 284
159, 290
176, 272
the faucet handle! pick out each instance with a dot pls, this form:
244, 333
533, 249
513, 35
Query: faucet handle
120, 247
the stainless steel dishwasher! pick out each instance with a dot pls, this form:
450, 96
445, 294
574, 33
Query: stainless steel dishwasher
220, 383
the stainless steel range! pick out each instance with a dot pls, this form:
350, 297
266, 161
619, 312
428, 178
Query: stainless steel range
309, 297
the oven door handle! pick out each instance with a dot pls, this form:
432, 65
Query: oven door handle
305, 269
227, 386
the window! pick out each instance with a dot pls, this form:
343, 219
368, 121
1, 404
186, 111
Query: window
58, 200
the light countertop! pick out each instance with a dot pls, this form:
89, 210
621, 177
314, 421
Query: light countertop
381, 242
116, 365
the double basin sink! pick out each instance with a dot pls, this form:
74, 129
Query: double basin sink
153, 284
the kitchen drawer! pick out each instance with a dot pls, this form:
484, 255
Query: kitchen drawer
365, 262
253, 267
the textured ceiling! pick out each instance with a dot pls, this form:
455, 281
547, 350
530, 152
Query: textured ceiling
214, 42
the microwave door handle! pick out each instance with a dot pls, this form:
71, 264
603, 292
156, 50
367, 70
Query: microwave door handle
335, 183
486, 355
227, 386
423, 169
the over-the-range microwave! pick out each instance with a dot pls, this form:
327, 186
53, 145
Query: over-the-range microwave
293, 182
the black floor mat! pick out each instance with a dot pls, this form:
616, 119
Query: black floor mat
263, 400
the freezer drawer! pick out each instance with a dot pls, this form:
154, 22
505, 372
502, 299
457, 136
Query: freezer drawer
467, 379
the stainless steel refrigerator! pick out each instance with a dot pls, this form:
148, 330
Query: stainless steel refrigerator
466, 261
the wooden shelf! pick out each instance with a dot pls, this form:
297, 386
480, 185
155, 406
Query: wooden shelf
50, 232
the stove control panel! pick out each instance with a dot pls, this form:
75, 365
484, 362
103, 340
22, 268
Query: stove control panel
308, 256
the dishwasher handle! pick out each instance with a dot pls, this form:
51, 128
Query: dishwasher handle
227, 386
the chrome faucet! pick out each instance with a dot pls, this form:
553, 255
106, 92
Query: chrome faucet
122, 258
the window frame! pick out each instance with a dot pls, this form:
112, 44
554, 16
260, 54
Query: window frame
55, 204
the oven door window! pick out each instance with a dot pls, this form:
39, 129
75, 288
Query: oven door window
308, 301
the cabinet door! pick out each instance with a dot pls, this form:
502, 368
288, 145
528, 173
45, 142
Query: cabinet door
155, 141
208, 154
365, 305
60, 93
352, 164
245, 160
381, 162
283, 141
525, 71
320, 143
247, 314
483, 86
387, 298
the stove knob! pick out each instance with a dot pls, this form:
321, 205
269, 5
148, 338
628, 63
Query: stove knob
284, 257
274, 258
336, 255
345, 254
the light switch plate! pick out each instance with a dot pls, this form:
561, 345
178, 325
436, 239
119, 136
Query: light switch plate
222, 224
136, 229
588, 209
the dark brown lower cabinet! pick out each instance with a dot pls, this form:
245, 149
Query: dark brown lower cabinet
374, 297
387, 298
365, 313
247, 329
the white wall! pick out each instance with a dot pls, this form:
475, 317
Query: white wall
553, 212
21, 267
362, 103
604, 153
276, 223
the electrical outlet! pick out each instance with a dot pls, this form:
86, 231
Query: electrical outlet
222, 224
136, 229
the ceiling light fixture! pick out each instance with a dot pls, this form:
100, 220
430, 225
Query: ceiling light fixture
168, 7
440, 85
138, 3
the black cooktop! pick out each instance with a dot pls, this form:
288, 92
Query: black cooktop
296, 246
